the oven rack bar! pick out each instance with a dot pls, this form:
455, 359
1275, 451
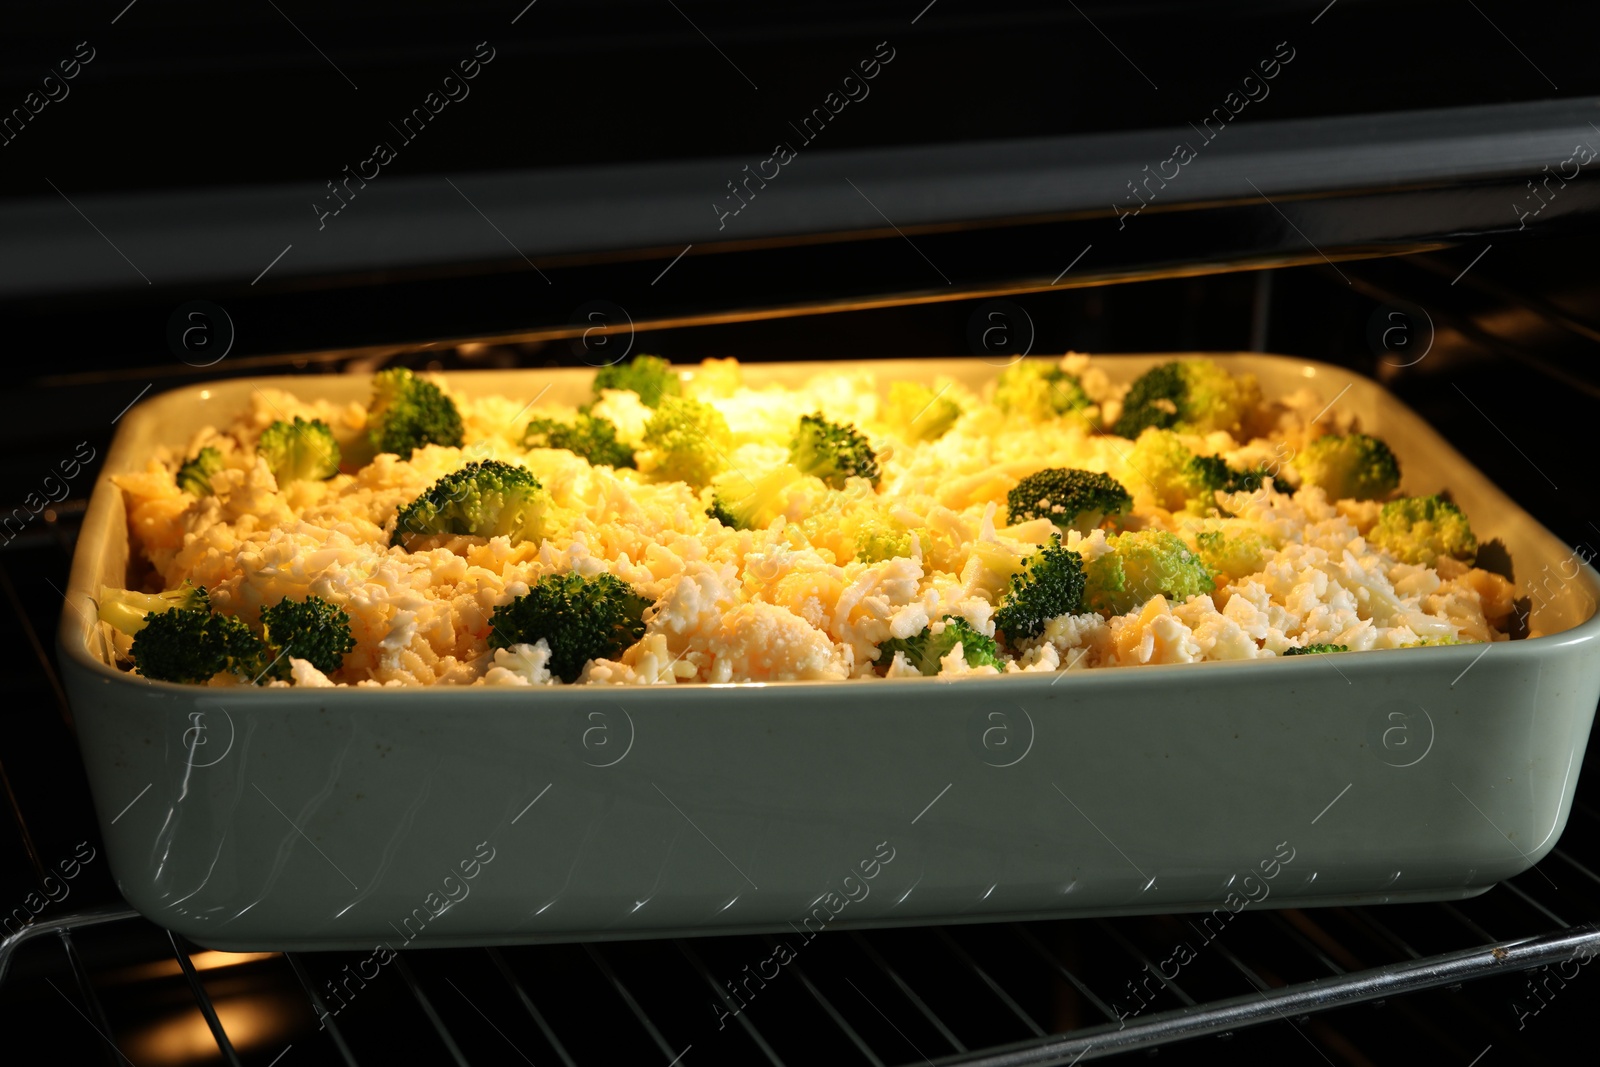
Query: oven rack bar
1297, 1002
1322, 994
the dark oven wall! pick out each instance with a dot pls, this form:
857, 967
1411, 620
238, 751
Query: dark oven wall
625, 152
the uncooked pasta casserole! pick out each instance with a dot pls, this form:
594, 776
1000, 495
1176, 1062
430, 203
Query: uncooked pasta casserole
682, 527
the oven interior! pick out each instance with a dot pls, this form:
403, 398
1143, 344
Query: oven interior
1429, 249
1490, 346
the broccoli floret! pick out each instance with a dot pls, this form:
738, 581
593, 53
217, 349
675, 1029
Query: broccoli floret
1177, 478
1211, 473
1039, 389
180, 646
311, 629
833, 451
850, 524
1421, 642
194, 477
938, 639
193, 645
1152, 400
1051, 584
1236, 556
1140, 565
1349, 467
1420, 529
177, 638
592, 437
128, 611
1193, 395
745, 503
1315, 650
487, 499
860, 526
408, 412
918, 413
720, 378
995, 565
1249, 480
1072, 499
650, 376
299, 451
580, 618
878, 537
685, 441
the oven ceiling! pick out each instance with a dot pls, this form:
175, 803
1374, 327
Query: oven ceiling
594, 157
560, 217
193, 143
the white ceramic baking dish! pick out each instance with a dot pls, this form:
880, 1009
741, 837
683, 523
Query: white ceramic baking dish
270, 818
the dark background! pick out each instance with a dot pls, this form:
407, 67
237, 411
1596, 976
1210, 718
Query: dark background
198, 95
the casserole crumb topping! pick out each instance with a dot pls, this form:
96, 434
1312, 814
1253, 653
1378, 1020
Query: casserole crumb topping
847, 528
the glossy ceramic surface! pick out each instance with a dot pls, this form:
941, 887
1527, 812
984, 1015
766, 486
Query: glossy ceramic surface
258, 818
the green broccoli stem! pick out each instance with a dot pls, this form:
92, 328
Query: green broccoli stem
129, 611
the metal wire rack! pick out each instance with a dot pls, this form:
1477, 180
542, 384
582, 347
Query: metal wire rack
995, 995
1448, 982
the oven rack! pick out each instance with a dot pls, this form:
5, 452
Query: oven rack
999, 994
1293, 1004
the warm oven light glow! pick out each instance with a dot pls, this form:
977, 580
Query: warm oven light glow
204, 960
250, 1022
210, 959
